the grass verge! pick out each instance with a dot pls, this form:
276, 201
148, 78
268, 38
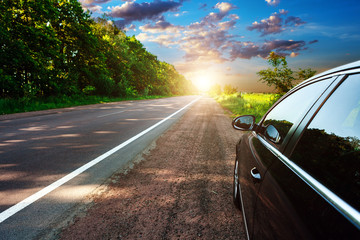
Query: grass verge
255, 104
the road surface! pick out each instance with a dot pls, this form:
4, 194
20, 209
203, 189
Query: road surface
37, 150
182, 189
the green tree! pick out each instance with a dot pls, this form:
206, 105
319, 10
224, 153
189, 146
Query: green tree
80, 60
304, 74
228, 89
279, 75
54, 48
27, 65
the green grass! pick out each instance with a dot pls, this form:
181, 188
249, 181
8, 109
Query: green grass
255, 104
8, 106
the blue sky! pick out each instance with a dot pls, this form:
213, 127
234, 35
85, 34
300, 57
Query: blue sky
226, 42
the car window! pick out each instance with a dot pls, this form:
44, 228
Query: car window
291, 109
329, 149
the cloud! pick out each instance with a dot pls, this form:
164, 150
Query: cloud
180, 14
313, 41
165, 40
293, 54
132, 11
201, 41
131, 27
273, 2
210, 41
161, 26
227, 25
224, 9
285, 45
275, 23
248, 50
296, 21
203, 6
92, 5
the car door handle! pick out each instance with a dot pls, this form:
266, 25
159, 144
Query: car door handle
255, 174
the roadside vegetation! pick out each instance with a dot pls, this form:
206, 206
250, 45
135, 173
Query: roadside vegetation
278, 75
239, 103
53, 52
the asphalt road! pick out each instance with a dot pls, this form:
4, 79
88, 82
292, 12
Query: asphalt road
36, 151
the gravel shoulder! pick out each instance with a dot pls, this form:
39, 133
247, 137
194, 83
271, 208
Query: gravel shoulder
181, 188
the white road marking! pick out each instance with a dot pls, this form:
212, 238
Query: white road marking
110, 114
26, 202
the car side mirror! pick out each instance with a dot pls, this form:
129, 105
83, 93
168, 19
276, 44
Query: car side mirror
245, 122
272, 134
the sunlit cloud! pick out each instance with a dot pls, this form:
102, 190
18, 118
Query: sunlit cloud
224, 9
131, 27
165, 40
180, 14
200, 41
161, 26
208, 41
273, 2
248, 50
132, 11
293, 54
93, 5
275, 23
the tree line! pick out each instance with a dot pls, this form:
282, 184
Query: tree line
54, 48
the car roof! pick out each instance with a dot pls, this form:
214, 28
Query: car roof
345, 67
336, 70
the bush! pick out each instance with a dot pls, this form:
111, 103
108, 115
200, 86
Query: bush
160, 91
228, 89
131, 92
88, 90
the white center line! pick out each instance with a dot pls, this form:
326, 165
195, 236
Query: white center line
26, 202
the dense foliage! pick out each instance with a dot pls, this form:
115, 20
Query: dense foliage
54, 48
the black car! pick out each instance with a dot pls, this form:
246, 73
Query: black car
297, 171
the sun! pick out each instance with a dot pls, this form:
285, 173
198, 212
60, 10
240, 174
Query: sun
203, 83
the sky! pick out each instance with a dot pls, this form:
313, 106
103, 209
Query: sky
227, 42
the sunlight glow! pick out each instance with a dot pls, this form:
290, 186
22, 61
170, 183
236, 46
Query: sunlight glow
203, 82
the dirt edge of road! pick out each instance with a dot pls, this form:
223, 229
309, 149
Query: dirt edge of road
179, 187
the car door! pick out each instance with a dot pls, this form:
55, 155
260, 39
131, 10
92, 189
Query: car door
315, 192
274, 130
251, 169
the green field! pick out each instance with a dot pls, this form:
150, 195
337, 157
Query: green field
247, 103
